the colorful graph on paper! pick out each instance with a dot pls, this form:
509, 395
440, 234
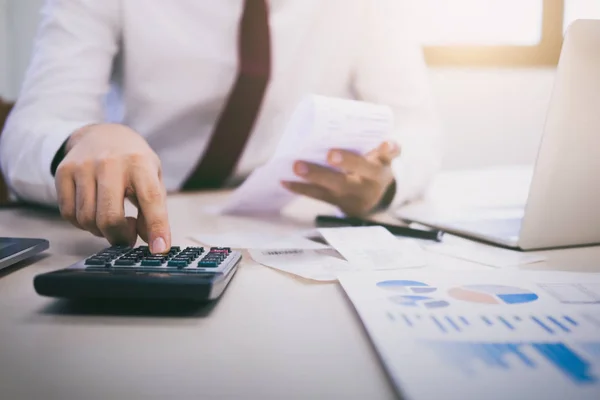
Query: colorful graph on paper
468, 357
484, 335
445, 323
492, 294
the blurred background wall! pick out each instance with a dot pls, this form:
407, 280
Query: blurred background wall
492, 114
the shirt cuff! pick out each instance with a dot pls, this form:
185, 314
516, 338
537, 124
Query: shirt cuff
58, 157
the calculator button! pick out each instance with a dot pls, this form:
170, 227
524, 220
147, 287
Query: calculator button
125, 262
95, 261
208, 264
198, 250
178, 263
151, 263
214, 258
108, 255
155, 258
130, 257
225, 250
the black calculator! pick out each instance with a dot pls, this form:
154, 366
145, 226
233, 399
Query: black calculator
120, 272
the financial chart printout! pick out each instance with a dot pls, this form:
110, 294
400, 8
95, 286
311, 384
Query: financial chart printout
488, 334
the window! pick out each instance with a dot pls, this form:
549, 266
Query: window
576, 9
496, 32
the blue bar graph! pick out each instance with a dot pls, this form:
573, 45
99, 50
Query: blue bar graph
452, 324
467, 356
439, 324
566, 360
542, 325
506, 323
570, 320
557, 323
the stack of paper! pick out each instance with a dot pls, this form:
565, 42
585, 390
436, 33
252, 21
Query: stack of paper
362, 249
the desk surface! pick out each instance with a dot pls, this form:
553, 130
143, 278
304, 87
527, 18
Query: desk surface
270, 336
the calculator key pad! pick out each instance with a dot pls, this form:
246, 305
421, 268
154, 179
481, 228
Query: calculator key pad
191, 260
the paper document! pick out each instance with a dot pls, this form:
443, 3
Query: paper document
483, 254
364, 249
318, 265
257, 240
483, 334
374, 248
318, 125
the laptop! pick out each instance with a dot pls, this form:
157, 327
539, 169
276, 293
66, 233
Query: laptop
561, 207
13, 250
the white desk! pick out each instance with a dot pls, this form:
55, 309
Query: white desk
270, 336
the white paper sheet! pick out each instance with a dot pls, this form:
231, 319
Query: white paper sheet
318, 265
374, 248
317, 125
258, 240
485, 255
483, 334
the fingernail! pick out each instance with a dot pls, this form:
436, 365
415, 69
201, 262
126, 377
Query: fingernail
336, 157
391, 145
301, 169
159, 246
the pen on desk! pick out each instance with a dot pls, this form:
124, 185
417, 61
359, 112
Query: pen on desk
325, 220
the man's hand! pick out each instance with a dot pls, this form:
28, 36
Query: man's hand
358, 188
104, 164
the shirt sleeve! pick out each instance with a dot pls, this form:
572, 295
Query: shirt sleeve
391, 70
64, 90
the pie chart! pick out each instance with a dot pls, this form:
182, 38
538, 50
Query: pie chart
419, 301
402, 286
492, 294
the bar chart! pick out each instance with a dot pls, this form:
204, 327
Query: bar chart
468, 357
450, 323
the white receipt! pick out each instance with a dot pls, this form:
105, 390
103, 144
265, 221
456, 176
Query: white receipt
318, 265
374, 248
485, 255
257, 240
317, 125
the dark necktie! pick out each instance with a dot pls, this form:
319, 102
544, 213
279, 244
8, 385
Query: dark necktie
237, 120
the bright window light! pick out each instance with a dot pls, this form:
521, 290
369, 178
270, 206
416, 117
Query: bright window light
481, 22
581, 9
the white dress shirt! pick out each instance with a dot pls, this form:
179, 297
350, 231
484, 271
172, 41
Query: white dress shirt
165, 69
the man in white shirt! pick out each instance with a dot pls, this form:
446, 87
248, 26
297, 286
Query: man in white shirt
192, 76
